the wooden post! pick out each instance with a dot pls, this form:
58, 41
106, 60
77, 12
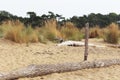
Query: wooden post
86, 41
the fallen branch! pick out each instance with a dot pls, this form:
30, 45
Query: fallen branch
38, 70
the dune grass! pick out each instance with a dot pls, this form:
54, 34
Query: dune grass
70, 32
67, 32
17, 32
1, 32
95, 32
49, 31
112, 34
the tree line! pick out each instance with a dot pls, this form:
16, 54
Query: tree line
37, 21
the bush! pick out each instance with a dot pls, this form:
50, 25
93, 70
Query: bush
112, 34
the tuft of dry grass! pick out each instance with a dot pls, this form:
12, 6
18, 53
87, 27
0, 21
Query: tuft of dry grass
112, 34
17, 32
70, 32
95, 32
49, 31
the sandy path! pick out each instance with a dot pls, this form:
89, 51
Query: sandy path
14, 56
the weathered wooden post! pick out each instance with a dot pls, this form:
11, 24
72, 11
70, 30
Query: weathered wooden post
86, 41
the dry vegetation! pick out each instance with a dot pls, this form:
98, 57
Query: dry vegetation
70, 32
95, 32
49, 31
112, 34
17, 32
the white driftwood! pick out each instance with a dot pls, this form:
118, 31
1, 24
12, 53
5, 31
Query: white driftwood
76, 43
38, 70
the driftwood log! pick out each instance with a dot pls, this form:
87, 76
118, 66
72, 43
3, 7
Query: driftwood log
77, 43
38, 70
